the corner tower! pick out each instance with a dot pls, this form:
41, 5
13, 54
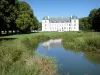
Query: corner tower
75, 23
45, 22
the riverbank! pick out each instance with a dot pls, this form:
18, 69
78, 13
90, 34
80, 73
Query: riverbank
86, 41
17, 57
17, 52
83, 41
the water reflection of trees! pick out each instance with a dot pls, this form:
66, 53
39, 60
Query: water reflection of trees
90, 56
70, 48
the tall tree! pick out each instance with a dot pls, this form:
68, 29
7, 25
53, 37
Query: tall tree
25, 17
2, 14
96, 21
84, 23
6, 10
91, 17
36, 23
92, 14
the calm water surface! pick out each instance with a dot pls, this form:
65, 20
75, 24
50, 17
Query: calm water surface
68, 61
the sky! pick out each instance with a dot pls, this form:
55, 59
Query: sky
56, 8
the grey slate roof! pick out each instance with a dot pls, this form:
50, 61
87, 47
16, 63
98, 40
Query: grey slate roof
59, 19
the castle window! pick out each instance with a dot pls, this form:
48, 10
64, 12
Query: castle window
74, 24
74, 20
74, 27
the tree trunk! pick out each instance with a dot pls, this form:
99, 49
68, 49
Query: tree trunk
12, 31
0, 32
7, 32
4, 31
15, 31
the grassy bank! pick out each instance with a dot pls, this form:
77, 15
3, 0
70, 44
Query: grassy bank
17, 57
21, 36
83, 41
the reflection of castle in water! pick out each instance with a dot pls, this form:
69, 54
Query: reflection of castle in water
52, 43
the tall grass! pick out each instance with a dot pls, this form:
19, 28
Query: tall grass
83, 41
93, 41
17, 57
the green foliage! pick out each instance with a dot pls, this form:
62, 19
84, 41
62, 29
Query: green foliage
25, 17
24, 22
84, 24
94, 19
36, 24
17, 15
7, 16
91, 15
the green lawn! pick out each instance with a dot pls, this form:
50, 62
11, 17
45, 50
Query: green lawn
33, 34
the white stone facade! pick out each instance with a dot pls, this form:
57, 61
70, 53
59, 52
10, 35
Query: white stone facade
60, 24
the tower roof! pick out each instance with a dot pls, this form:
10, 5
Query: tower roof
74, 17
59, 19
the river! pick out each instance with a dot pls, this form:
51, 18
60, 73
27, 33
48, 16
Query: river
68, 61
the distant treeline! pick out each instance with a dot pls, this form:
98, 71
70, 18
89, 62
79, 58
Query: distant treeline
17, 16
92, 22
